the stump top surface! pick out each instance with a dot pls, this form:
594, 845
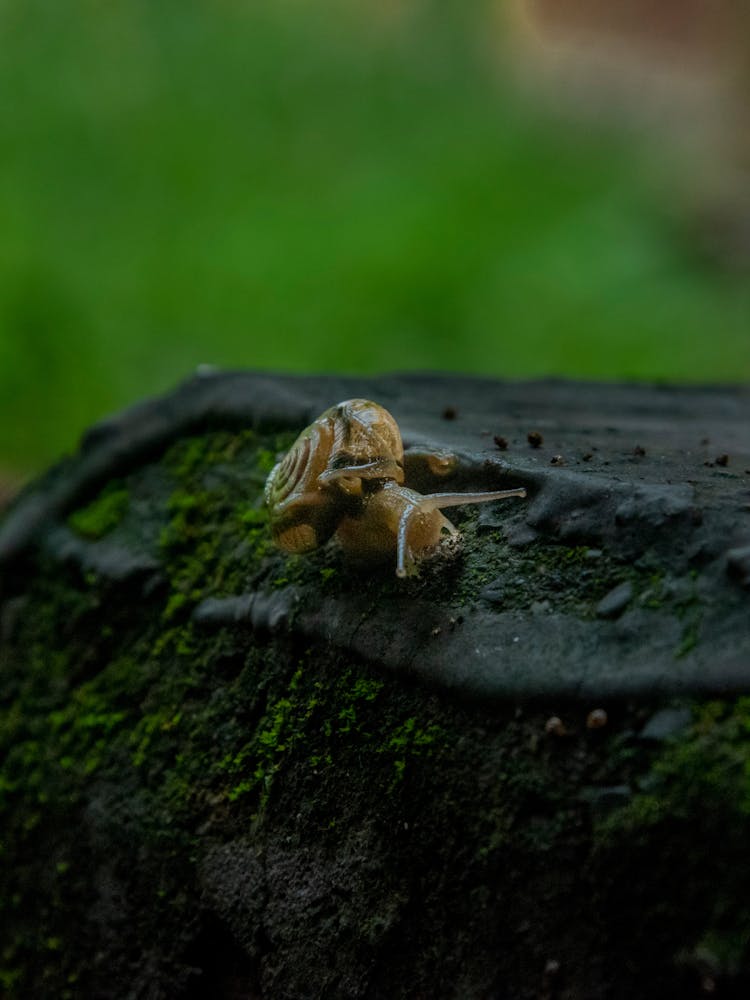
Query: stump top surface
641, 490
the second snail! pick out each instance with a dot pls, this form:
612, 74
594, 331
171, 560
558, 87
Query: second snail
344, 477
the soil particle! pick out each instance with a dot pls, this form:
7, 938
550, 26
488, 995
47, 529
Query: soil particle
535, 439
596, 719
554, 726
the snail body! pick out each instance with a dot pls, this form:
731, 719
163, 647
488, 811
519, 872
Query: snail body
344, 476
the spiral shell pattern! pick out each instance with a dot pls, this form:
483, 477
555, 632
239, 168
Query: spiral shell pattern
297, 472
320, 477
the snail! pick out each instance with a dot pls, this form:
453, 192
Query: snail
344, 476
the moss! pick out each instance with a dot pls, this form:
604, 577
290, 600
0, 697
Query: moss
689, 611
102, 515
216, 529
319, 723
266, 460
275, 738
570, 579
695, 793
711, 762
409, 740
190, 457
652, 590
690, 633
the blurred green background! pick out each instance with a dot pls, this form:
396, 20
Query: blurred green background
319, 187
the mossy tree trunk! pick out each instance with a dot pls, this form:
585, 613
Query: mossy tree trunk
228, 772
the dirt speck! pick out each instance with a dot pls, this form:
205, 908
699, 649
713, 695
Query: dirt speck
535, 439
554, 726
596, 719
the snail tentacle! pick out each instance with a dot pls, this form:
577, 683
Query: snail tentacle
434, 502
437, 501
380, 468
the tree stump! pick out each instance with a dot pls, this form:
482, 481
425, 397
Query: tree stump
525, 773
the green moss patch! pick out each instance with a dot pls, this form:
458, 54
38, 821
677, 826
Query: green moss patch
103, 514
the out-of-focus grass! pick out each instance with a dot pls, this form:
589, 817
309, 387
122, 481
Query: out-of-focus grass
302, 188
